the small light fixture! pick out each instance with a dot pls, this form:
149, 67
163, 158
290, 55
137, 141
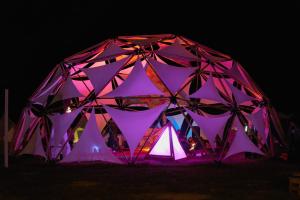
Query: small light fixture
246, 128
68, 109
95, 149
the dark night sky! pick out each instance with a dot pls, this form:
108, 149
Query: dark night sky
262, 37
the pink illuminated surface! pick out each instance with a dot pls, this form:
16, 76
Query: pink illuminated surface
163, 145
177, 149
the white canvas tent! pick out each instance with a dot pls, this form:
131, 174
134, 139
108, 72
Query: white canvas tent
168, 145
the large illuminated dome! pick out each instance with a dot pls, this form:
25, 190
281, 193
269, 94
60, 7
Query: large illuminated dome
136, 98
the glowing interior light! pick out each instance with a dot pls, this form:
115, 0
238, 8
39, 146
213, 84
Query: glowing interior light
193, 146
246, 128
95, 149
162, 146
68, 109
146, 149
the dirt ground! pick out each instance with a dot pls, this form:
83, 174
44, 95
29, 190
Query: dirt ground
28, 179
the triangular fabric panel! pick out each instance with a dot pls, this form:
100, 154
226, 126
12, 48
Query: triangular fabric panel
100, 76
134, 124
241, 143
259, 123
42, 97
24, 124
112, 50
208, 91
172, 76
69, 90
35, 146
234, 72
239, 96
162, 147
177, 50
177, 148
61, 123
48, 86
91, 146
212, 126
137, 84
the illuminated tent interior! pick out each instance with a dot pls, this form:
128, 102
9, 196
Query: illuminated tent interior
168, 145
135, 98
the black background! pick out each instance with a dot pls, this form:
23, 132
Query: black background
264, 38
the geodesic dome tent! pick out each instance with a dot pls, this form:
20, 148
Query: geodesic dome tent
135, 96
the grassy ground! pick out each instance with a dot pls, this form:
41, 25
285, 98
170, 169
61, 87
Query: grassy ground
258, 180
